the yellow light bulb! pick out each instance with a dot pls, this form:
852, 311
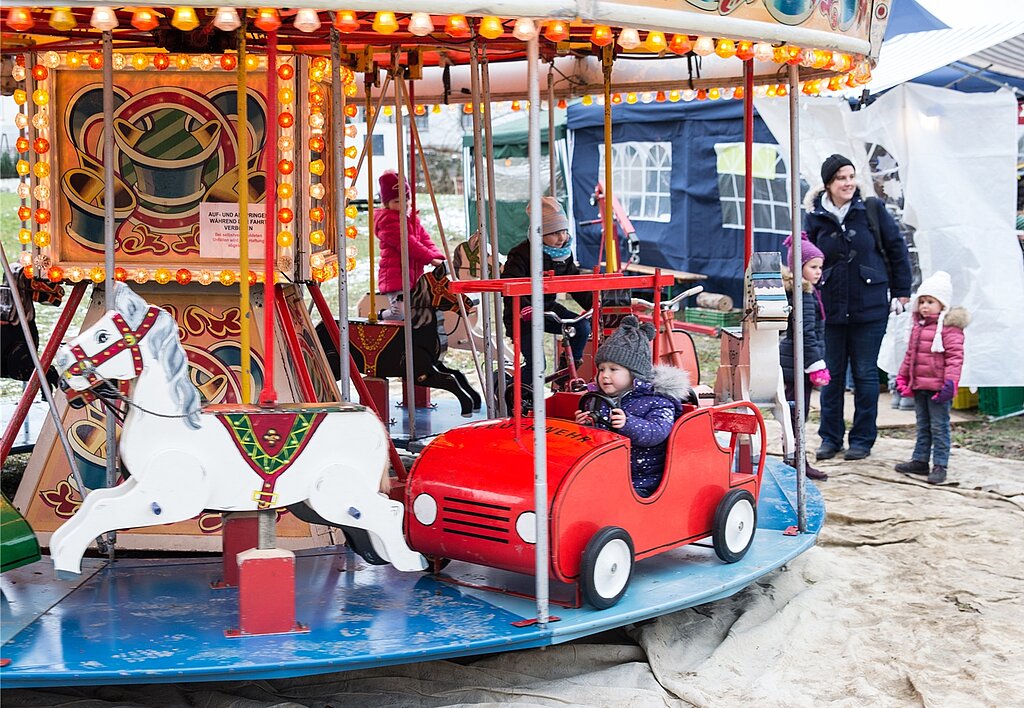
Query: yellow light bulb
285, 190
185, 19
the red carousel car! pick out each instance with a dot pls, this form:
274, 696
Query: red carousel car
470, 495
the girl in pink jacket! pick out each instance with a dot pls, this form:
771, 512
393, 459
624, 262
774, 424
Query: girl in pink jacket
422, 251
930, 373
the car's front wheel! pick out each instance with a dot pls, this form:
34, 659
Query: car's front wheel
606, 567
735, 522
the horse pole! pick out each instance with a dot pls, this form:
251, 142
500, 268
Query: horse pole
492, 211
341, 241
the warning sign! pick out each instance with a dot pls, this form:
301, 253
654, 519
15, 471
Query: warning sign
218, 230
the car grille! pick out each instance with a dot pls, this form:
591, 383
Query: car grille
488, 522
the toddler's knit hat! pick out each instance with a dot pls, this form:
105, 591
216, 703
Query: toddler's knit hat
388, 182
939, 286
808, 251
552, 218
629, 346
832, 164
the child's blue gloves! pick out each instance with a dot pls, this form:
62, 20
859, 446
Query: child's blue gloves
946, 393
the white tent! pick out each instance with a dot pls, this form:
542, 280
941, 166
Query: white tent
953, 155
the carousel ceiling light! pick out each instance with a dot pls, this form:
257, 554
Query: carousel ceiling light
346, 21
62, 19
40, 72
144, 19
491, 27
556, 31
745, 50
629, 38
763, 51
680, 44
307, 21
51, 60
140, 61
20, 19
103, 19
384, 23
267, 19
726, 48
705, 46
524, 29
185, 19
601, 36
655, 42
420, 24
226, 19
457, 26
18, 72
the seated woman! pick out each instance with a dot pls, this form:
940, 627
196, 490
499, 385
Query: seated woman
648, 398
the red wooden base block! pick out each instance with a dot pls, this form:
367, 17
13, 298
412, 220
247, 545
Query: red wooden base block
422, 396
240, 533
378, 389
266, 593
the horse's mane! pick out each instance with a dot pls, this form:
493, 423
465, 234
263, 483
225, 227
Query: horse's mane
421, 307
164, 345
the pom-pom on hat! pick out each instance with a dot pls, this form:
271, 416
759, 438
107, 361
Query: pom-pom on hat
629, 346
939, 286
831, 165
808, 251
388, 182
552, 218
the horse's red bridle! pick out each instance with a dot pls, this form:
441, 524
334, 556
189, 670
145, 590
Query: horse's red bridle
85, 365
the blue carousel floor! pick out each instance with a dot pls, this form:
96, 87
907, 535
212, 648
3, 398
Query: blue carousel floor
148, 621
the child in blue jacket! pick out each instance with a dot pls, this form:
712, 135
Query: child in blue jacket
649, 399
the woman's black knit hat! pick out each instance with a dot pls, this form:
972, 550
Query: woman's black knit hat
831, 165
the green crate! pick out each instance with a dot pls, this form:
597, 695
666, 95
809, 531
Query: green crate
1001, 401
713, 318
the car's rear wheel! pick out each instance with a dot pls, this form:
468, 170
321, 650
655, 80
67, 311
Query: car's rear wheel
606, 567
734, 525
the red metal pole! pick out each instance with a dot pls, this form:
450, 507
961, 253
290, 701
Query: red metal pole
268, 396
46, 358
748, 164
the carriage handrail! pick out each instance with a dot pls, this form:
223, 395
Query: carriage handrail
568, 320
670, 305
554, 284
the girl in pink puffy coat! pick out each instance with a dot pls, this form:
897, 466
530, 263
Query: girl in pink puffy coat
422, 251
930, 373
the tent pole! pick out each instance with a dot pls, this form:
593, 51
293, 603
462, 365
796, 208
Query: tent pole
492, 212
798, 340
481, 225
551, 131
748, 161
403, 232
341, 242
611, 253
540, 467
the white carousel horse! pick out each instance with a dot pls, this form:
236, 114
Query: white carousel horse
183, 460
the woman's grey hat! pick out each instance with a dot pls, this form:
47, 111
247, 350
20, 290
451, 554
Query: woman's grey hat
629, 346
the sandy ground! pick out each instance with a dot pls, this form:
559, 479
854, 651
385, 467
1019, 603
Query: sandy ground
913, 597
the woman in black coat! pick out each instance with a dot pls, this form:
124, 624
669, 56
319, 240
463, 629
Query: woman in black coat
866, 273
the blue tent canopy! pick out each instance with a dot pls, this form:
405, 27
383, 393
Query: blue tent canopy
693, 237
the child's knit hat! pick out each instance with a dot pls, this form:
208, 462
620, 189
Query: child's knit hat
388, 182
939, 286
808, 251
552, 218
629, 346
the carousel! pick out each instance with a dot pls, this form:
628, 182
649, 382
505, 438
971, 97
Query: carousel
220, 491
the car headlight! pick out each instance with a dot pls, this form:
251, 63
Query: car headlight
424, 508
526, 526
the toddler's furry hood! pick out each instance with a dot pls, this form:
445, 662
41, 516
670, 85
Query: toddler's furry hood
788, 280
670, 381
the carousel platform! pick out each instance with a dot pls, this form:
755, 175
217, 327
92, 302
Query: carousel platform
152, 621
